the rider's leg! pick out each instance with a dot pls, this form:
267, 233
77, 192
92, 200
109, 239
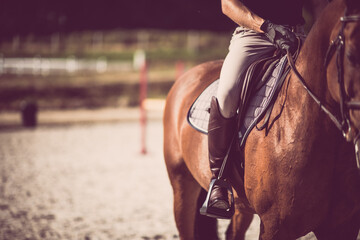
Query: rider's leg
246, 47
220, 134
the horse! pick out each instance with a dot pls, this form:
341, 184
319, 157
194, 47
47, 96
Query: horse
300, 174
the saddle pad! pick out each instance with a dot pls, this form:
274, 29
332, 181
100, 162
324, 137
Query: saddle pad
199, 112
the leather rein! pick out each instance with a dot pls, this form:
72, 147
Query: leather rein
337, 47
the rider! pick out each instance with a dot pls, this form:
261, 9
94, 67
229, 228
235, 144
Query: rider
264, 25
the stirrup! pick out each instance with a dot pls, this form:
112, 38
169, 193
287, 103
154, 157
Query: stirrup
216, 212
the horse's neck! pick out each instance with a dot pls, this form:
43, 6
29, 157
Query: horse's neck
311, 60
304, 112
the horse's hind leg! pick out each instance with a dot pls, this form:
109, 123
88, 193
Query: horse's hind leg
240, 222
186, 193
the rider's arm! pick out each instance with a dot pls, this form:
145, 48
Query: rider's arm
241, 15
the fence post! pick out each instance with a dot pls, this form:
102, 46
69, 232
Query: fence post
179, 69
142, 96
29, 111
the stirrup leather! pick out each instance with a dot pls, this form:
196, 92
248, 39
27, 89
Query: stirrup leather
216, 212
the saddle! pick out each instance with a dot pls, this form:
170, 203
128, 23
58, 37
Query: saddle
262, 83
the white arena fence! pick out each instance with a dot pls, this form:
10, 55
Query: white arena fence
47, 66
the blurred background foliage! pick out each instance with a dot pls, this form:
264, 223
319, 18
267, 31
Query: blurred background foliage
117, 85
120, 44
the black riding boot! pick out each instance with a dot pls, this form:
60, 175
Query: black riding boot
220, 133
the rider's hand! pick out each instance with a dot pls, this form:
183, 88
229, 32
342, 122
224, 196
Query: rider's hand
281, 36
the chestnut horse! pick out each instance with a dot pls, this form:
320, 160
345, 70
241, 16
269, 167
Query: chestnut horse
300, 175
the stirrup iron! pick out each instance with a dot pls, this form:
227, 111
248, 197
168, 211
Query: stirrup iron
216, 212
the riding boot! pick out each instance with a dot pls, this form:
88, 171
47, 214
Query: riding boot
220, 133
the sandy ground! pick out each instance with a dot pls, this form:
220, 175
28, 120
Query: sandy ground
86, 181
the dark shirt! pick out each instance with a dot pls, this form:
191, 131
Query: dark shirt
287, 12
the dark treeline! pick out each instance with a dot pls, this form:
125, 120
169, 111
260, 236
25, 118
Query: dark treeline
19, 17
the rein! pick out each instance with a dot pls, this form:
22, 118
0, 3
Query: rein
337, 46
312, 95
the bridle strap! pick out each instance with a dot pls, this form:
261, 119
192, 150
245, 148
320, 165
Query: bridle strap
353, 105
345, 19
352, 18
